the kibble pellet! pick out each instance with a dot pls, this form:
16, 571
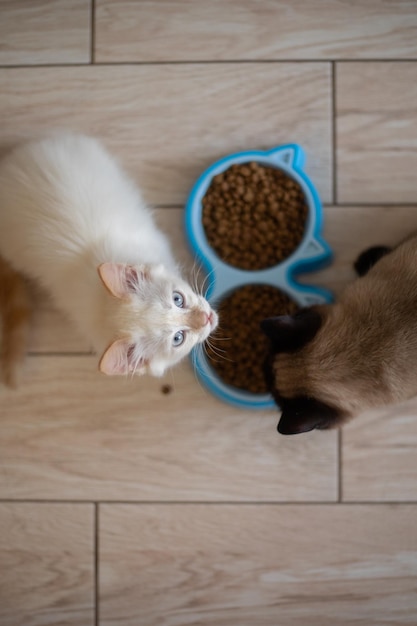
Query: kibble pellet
254, 216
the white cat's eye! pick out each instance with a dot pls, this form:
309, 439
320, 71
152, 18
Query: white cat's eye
178, 299
178, 338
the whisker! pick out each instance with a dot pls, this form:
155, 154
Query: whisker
215, 348
213, 336
195, 368
203, 287
196, 278
217, 352
195, 273
208, 374
218, 335
136, 365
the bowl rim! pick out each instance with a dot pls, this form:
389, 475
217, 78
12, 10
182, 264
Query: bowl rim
290, 158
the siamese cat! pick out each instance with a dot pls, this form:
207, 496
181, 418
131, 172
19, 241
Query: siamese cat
71, 219
330, 362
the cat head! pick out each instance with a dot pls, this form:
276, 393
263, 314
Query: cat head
297, 373
158, 319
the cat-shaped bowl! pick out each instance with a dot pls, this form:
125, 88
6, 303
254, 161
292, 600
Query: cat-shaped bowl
311, 253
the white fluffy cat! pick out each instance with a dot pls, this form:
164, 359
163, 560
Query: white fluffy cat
71, 219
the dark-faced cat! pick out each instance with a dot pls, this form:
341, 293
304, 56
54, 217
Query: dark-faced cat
328, 363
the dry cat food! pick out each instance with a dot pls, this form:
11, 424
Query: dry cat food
238, 348
254, 216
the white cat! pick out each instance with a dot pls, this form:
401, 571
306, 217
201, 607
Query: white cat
71, 219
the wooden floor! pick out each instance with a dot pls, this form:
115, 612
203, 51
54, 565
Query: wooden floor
120, 505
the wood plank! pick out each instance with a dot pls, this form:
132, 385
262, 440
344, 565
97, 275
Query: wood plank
376, 132
291, 564
47, 564
44, 31
310, 29
168, 123
72, 433
349, 230
379, 455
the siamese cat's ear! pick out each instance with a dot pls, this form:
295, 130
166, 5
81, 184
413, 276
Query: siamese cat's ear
120, 279
290, 332
301, 415
120, 359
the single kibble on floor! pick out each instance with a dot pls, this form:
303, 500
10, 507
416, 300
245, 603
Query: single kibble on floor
166, 389
254, 216
238, 348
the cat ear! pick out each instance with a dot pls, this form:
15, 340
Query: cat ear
119, 359
290, 332
120, 279
301, 415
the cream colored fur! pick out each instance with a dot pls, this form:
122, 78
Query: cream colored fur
66, 209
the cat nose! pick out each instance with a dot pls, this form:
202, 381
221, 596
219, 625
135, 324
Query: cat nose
207, 318
198, 319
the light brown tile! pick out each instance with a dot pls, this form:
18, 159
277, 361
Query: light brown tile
72, 433
312, 29
225, 565
169, 122
349, 230
44, 31
379, 455
47, 564
376, 132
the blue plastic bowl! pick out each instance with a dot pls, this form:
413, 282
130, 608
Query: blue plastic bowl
312, 253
